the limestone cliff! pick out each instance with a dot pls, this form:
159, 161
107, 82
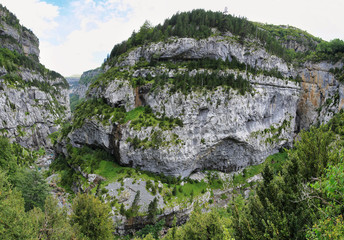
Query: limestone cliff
222, 102
33, 100
221, 47
322, 94
17, 37
221, 128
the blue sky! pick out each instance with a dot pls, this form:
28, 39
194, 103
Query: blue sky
76, 35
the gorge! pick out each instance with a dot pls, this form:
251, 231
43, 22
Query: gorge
205, 112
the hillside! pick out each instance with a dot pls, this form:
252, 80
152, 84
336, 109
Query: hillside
33, 100
208, 126
220, 99
215, 97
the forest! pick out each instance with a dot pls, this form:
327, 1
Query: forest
200, 24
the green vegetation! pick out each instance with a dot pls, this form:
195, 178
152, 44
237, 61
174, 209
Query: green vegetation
152, 210
212, 73
90, 76
286, 33
283, 204
27, 212
9, 17
338, 73
300, 196
101, 163
91, 217
330, 224
331, 51
209, 63
212, 225
32, 186
275, 162
75, 100
202, 24
197, 24
15, 223
185, 81
12, 61
99, 109
54, 222
139, 117
12, 156
151, 231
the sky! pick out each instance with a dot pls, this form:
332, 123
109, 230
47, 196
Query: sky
77, 35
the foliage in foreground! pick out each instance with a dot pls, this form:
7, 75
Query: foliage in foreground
284, 206
91, 217
209, 225
28, 212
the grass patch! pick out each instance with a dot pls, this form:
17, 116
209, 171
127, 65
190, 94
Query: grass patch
112, 171
190, 190
275, 161
134, 114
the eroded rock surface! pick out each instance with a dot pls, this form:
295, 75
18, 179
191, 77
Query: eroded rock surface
221, 129
33, 100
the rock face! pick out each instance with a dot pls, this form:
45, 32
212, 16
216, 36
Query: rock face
213, 47
29, 115
75, 88
90, 76
16, 37
79, 90
224, 133
33, 100
221, 130
322, 95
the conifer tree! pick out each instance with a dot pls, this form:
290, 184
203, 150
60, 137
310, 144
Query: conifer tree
153, 210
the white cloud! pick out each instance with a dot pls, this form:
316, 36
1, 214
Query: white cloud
89, 28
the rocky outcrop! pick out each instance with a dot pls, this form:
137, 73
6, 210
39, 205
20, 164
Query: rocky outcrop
33, 100
75, 88
220, 47
322, 95
90, 76
30, 114
16, 37
221, 130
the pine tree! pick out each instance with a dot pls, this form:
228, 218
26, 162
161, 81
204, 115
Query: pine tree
153, 210
122, 210
174, 191
33, 187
